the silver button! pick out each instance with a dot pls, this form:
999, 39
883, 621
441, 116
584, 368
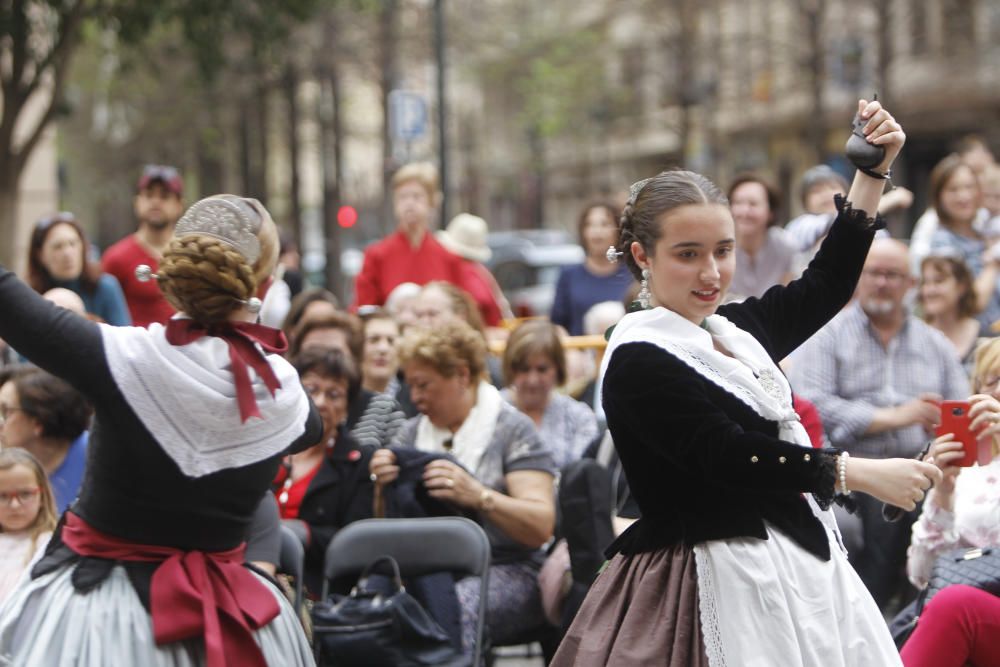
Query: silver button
806, 457
753, 459
781, 459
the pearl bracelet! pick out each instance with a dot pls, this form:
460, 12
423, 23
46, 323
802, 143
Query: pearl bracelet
842, 472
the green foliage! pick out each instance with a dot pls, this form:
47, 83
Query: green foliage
558, 79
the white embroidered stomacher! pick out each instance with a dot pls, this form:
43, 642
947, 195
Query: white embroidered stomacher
185, 397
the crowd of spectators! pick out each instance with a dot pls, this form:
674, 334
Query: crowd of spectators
427, 379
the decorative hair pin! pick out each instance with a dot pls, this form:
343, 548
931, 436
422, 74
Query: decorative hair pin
612, 254
143, 273
635, 189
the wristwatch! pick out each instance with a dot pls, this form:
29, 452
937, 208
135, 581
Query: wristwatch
486, 501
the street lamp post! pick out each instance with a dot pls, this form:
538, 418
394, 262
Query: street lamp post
439, 46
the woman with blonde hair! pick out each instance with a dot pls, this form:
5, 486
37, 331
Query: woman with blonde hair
501, 471
192, 420
27, 515
958, 626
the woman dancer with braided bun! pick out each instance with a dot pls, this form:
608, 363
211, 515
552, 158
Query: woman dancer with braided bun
736, 559
192, 420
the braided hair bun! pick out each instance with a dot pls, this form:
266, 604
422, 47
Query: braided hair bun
207, 278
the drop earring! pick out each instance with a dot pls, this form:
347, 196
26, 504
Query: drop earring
644, 289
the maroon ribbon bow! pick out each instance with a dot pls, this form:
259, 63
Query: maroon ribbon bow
242, 339
192, 593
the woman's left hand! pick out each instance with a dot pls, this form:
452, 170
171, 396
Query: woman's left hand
882, 129
448, 481
984, 415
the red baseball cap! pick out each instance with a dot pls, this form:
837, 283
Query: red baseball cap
168, 176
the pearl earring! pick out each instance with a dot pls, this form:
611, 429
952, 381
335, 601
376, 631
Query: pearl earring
644, 294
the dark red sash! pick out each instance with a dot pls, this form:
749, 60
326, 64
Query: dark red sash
242, 339
193, 593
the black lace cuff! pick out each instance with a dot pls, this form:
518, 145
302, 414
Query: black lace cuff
857, 217
826, 491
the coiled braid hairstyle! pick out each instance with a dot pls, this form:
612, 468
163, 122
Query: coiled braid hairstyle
207, 279
644, 211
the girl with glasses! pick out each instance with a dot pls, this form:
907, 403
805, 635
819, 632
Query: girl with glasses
27, 515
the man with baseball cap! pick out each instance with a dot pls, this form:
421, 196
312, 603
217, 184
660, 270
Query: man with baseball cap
158, 204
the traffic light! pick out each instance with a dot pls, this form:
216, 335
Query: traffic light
347, 216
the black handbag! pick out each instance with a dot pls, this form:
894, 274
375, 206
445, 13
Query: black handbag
978, 567
372, 628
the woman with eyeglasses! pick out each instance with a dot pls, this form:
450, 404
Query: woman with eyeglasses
959, 625
58, 257
47, 417
325, 487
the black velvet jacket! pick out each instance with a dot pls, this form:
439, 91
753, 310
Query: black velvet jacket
702, 464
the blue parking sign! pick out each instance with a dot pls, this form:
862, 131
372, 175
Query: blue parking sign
407, 115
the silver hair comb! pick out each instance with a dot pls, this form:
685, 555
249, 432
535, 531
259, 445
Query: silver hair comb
613, 254
229, 219
635, 189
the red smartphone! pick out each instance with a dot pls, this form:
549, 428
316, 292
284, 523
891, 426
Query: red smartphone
955, 420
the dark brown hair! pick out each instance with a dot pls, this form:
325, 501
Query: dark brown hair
640, 221
581, 222
349, 324
958, 269
533, 337
331, 364
943, 172
61, 410
301, 301
770, 190
38, 276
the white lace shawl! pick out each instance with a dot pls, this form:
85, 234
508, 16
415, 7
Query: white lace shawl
185, 397
751, 376
470, 441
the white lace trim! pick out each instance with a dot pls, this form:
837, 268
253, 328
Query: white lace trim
708, 610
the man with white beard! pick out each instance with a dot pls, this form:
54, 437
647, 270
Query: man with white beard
876, 373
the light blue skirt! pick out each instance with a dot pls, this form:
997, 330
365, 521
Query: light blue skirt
46, 622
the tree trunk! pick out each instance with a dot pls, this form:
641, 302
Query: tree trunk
331, 134
883, 9
291, 90
9, 256
387, 80
816, 65
260, 126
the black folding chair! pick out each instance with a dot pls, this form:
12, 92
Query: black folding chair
420, 546
292, 561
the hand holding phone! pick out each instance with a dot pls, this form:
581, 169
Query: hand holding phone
955, 420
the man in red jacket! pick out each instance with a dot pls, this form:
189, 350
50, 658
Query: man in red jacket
410, 254
158, 205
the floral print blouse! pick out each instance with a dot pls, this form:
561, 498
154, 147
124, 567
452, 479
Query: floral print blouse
974, 523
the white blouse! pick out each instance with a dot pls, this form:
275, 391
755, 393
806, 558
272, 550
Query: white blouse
16, 558
975, 521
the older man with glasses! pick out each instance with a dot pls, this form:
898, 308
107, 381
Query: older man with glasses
877, 374
158, 205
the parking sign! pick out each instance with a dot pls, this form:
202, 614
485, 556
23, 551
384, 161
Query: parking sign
407, 115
